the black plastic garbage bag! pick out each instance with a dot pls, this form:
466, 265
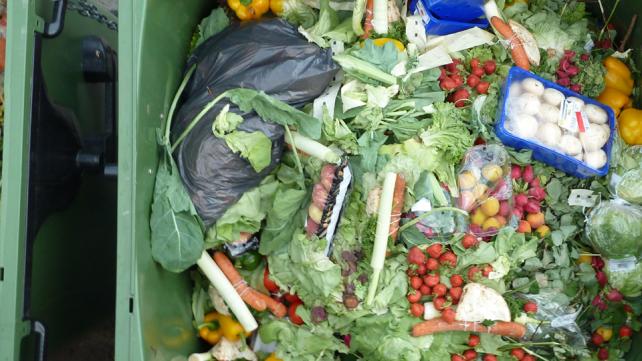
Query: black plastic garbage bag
270, 56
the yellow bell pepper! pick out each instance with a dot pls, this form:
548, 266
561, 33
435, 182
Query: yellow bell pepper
277, 7
615, 81
613, 98
273, 357
249, 9
217, 325
617, 66
630, 125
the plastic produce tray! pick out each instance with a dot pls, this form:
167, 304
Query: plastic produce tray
541, 153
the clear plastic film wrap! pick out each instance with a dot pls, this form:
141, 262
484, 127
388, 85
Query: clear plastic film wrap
625, 181
614, 229
553, 321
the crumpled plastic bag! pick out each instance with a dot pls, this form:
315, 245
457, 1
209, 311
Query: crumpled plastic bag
270, 56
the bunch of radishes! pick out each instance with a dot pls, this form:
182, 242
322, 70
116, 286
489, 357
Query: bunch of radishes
452, 79
528, 194
568, 70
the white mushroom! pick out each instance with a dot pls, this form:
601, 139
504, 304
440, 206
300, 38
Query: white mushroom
553, 97
579, 157
549, 134
594, 138
570, 145
515, 90
533, 86
524, 126
480, 303
595, 114
528, 103
549, 113
596, 159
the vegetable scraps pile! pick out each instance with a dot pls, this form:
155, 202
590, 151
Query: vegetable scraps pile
407, 231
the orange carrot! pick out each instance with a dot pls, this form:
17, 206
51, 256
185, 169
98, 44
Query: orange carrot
517, 48
277, 308
397, 205
238, 282
508, 329
252, 297
367, 25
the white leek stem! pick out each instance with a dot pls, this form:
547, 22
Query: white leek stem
380, 16
382, 232
227, 291
313, 148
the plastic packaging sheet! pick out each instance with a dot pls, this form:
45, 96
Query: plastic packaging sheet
270, 56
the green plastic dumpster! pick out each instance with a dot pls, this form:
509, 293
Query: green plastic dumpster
58, 201
153, 306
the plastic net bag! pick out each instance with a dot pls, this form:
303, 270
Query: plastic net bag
553, 321
486, 189
270, 56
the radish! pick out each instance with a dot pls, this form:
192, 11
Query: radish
478, 71
585, 57
482, 87
474, 63
447, 83
459, 81
490, 67
572, 70
576, 88
452, 67
614, 296
521, 199
472, 80
460, 97
532, 206
561, 74
516, 172
528, 175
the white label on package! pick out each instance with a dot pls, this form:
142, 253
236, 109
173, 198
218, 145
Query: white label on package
421, 11
337, 47
572, 117
416, 31
327, 99
622, 265
582, 198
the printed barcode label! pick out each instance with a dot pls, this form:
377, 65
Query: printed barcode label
622, 265
582, 198
572, 117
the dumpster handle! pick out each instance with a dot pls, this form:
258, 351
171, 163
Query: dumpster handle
54, 27
39, 328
